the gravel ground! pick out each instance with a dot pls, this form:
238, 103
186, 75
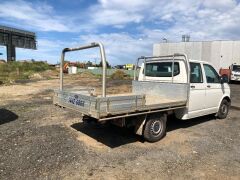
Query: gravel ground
235, 91
41, 141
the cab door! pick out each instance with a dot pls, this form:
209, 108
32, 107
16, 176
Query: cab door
197, 97
214, 88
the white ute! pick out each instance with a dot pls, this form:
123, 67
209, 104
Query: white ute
208, 94
166, 85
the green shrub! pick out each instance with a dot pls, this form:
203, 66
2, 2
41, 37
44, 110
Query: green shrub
16, 70
118, 74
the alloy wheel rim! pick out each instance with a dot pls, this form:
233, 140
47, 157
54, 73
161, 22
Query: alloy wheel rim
156, 127
224, 108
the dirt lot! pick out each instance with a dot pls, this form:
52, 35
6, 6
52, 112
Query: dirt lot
235, 94
41, 141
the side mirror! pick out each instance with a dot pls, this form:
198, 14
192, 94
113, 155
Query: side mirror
224, 79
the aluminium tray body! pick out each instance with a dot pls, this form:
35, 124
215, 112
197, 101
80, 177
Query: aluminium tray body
145, 96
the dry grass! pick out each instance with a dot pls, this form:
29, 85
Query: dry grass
119, 75
12, 71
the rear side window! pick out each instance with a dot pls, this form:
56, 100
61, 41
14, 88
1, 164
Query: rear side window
196, 73
211, 74
162, 69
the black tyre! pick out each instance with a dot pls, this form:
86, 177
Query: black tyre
155, 127
223, 109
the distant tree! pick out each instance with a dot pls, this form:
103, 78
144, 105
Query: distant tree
108, 65
89, 63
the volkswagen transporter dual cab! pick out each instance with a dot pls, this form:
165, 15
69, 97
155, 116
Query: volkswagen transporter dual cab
165, 85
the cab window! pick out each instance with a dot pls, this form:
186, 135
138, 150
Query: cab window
196, 73
211, 74
162, 69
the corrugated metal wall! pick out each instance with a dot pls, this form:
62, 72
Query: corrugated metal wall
219, 53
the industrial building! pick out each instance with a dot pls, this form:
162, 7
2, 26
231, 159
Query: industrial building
219, 53
12, 38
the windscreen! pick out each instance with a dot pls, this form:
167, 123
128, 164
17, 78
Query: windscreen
236, 68
161, 69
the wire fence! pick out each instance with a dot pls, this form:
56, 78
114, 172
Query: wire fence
109, 71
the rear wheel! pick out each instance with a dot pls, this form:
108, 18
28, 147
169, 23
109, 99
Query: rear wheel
155, 128
223, 109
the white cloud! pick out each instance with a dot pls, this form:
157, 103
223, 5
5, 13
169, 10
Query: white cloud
133, 5
200, 18
122, 47
153, 19
46, 50
50, 50
115, 18
39, 16
117, 12
219, 4
215, 18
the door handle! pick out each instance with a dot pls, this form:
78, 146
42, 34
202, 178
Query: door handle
208, 86
192, 87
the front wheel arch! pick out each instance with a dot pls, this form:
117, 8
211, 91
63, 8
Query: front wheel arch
227, 97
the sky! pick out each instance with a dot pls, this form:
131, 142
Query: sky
127, 28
